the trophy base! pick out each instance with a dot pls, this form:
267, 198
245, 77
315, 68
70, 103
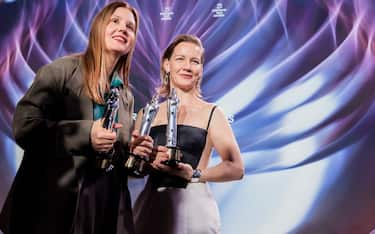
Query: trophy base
175, 156
105, 160
103, 163
136, 166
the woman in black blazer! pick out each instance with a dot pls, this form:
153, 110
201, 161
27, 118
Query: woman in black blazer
61, 186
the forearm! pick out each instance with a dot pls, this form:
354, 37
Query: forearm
222, 172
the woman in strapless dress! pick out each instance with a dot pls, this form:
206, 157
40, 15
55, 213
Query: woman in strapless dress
177, 199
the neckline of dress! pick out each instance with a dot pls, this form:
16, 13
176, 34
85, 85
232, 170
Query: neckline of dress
179, 125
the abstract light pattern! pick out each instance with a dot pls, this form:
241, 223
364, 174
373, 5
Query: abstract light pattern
296, 76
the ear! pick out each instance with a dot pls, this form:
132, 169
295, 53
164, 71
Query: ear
166, 65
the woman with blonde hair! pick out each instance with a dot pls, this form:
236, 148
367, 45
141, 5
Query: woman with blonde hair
62, 185
177, 199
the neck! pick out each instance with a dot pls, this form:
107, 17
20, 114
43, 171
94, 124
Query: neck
110, 63
186, 98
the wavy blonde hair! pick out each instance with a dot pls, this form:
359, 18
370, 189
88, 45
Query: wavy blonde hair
165, 88
96, 81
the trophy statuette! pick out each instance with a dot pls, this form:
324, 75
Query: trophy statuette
135, 163
175, 155
105, 161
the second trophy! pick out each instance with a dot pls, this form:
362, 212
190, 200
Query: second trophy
175, 154
135, 163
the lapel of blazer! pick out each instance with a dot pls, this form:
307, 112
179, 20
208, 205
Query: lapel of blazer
86, 104
124, 117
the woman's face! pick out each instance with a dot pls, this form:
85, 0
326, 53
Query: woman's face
185, 66
120, 33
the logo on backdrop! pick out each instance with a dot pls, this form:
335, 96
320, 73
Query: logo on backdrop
166, 14
218, 11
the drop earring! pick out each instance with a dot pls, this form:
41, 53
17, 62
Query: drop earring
166, 79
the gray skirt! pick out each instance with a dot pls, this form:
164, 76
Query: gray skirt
192, 210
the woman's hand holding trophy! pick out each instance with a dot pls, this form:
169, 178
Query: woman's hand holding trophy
136, 161
169, 156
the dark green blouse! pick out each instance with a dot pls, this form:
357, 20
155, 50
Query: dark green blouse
99, 108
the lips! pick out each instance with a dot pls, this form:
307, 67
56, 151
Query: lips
120, 38
186, 76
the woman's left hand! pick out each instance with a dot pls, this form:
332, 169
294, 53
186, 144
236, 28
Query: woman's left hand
141, 145
183, 170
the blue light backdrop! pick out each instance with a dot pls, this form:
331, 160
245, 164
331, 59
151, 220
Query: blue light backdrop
297, 77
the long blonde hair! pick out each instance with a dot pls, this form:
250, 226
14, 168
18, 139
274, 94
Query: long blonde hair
93, 58
165, 87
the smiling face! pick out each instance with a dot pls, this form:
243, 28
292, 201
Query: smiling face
185, 66
120, 33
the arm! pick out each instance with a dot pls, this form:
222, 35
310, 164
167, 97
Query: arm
39, 123
221, 137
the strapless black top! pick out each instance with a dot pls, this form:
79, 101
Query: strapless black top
190, 140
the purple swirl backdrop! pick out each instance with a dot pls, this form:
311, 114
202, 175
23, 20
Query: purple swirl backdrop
296, 77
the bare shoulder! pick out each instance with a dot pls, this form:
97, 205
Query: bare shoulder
207, 106
218, 115
214, 114
212, 107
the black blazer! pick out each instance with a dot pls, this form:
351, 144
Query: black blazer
52, 124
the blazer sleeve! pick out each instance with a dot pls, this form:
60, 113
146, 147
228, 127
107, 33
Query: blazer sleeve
39, 123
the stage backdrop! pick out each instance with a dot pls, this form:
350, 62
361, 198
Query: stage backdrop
297, 78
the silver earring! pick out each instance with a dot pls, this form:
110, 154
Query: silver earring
166, 79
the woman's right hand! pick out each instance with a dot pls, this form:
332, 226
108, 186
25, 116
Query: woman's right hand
102, 139
160, 157
183, 170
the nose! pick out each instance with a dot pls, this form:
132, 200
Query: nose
187, 66
122, 29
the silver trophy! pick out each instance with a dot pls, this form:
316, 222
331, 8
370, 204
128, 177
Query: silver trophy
175, 154
111, 109
134, 163
106, 160
149, 115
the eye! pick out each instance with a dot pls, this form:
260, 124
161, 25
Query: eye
196, 62
115, 20
131, 27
